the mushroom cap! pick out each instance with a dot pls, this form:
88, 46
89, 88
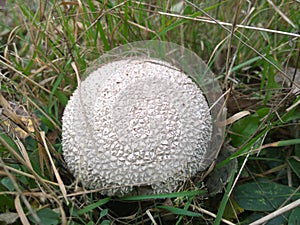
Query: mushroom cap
137, 125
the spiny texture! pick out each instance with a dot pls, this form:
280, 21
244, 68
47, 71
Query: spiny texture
136, 126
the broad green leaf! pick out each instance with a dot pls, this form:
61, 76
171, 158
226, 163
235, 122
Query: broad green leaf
281, 219
263, 195
6, 182
294, 218
47, 217
243, 129
6, 203
262, 112
105, 222
295, 166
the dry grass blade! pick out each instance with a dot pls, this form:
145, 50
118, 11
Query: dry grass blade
293, 106
58, 178
281, 13
23, 162
243, 42
212, 214
29, 175
45, 114
229, 47
208, 20
233, 118
277, 212
20, 211
24, 153
151, 217
22, 75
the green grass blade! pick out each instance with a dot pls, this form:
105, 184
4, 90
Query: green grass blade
168, 195
177, 211
224, 200
93, 206
286, 143
186, 206
246, 63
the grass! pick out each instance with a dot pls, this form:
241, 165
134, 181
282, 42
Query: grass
253, 48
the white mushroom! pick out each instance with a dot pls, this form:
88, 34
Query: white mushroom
136, 126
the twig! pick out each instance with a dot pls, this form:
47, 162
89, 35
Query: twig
277, 212
212, 214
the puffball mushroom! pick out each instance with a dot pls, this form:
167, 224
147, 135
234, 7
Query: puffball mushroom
137, 124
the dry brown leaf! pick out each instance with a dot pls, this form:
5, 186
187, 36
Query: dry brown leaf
15, 119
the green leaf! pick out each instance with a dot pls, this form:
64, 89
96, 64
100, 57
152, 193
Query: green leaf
9, 141
263, 195
47, 217
293, 114
281, 219
6, 201
103, 213
295, 166
243, 129
178, 211
294, 218
6, 182
63, 99
262, 112
255, 141
105, 222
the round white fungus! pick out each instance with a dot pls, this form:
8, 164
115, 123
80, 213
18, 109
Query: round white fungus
136, 126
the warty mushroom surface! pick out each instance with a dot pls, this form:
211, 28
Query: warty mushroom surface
136, 126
